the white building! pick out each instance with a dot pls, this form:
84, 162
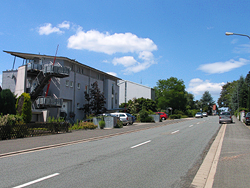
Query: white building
129, 90
69, 80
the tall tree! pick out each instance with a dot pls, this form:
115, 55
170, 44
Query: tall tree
171, 93
207, 102
247, 80
190, 101
97, 100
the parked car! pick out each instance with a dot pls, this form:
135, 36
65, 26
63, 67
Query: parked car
198, 115
133, 117
163, 115
247, 118
225, 117
204, 114
124, 117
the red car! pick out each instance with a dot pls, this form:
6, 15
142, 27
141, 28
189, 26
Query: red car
163, 115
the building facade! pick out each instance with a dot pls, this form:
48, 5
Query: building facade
129, 90
68, 80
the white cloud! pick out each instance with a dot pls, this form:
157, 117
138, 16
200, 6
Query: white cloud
112, 73
117, 43
134, 66
198, 87
222, 67
65, 24
47, 28
106, 43
126, 61
137, 51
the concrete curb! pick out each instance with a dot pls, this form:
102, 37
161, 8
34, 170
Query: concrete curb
207, 170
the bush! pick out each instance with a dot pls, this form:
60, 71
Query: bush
83, 125
191, 113
12, 126
149, 119
143, 115
175, 116
23, 107
178, 112
7, 102
119, 124
102, 124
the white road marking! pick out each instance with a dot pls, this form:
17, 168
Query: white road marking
198, 123
141, 144
191, 125
36, 181
175, 132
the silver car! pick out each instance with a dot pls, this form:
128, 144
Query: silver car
225, 117
124, 117
198, 115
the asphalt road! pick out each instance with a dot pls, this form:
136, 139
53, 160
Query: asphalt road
166, 156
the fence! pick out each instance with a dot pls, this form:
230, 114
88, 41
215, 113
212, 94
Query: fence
31, 129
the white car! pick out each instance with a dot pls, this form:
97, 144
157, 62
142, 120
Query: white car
204, 114
198, 115
124, 117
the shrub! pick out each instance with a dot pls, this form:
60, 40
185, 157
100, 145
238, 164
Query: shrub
175, 116
119, 124
102, 124
149, 119
23, 107
83, 125
12, 126
7, 104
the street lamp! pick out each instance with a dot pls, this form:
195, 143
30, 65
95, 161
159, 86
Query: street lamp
230, 33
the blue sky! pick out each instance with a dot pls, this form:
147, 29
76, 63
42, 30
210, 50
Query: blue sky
135, 40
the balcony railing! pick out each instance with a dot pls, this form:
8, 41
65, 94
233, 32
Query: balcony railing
48, 102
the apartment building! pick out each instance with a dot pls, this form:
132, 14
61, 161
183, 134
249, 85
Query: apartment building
129, 90
68, 80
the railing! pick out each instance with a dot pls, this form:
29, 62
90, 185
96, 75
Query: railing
44, 102
56, 70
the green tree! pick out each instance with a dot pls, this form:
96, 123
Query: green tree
247, 80
190, 101
7, 102
207, 102
171, 93
136, 105
23, 107
97, 100
86, 107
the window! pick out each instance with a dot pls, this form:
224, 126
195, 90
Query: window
67, 83
78, 105
71, 84
87, 89
78, 85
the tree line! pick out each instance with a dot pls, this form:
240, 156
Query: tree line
236, 95
172, 97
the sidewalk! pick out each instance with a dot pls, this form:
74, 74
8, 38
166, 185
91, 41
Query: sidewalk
233, 168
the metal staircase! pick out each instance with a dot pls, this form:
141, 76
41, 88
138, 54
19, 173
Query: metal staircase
41, 77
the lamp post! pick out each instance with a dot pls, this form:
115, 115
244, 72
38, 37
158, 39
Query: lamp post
230, 33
